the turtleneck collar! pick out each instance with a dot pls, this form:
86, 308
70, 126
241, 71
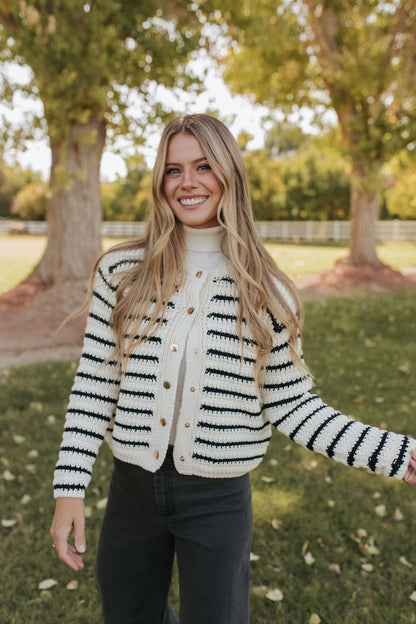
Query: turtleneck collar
203, 240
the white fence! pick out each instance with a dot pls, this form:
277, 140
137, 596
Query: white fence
279, 230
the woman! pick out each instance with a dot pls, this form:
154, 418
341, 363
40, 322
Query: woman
192, 350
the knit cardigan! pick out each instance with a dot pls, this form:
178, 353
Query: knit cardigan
224, 425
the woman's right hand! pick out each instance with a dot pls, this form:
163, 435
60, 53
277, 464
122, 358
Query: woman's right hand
69, 514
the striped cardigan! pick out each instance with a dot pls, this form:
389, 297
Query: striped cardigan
224, 425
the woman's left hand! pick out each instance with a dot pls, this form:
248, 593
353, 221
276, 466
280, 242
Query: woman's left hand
410, 475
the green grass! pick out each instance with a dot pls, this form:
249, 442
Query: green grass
361, 351
19, 254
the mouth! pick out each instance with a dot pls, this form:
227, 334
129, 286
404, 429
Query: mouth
191, 201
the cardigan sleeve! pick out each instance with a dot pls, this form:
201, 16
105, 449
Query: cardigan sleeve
94, 393
301, 415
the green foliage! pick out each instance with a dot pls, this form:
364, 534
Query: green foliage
401, 180
355, 58
12, 180
361, 352
86, 58
31, 202
128, 198
310, 183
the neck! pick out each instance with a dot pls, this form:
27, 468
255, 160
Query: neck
202, 239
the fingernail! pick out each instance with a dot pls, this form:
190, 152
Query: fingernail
81, 548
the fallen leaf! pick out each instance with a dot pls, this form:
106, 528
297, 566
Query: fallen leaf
376, 495
26, 498
380, 510
335, 567
260, 591
305, 548
404, 368
379, 399
309, 558
276, 524
19, 439
367, 567
33, 453
413, 596
6, 523
267, 479
254, 557
331, 503
273, 462
328, 479
314, 619
102, 503
362, 533
47, 583
369, 343
398, 516
51, 419
72, 585
36, 405
31, 468
88, 511
275, 595
405, 562
8, 476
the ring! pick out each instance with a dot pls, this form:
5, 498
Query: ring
53, 546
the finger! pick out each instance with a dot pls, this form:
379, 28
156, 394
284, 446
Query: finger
79, 533
72, 559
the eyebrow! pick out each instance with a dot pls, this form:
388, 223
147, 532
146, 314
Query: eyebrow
194, 162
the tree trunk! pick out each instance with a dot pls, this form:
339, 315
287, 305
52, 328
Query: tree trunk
74, 209
364, 212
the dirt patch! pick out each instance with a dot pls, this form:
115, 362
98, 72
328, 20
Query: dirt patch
30, 315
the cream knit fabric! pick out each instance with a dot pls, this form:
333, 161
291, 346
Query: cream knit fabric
224, 425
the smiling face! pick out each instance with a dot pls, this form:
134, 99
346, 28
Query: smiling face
191, 188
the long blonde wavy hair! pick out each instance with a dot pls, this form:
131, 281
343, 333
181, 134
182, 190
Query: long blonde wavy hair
154, 280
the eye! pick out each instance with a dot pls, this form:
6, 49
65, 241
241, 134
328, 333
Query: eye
172, 171
204, 167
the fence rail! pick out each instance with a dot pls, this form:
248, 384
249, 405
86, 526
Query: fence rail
279, 230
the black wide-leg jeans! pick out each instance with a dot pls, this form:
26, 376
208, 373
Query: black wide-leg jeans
149, 518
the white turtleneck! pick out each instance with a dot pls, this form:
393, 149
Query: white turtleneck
203, 251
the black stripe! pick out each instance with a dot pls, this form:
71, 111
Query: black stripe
318, 431
277, 327
282, 384
225, 460
103, 341
220, 316
305, 420
133, 427
130, 442
286, 401
149, 339
82, 412
398, 462
278, 367
78, 451
226, 279
224, 299
146, 358
91, 395
116, 265
73, 469
231, 356
350, 460
101, 298
143, 376
222, 373
106, 380
372, 462
229, 410
330, 451
279, 348
101, 320
134, 410
105, 280
228, 336
137, 393
84, 432
231, 393
67, 486
229, 444
205, 425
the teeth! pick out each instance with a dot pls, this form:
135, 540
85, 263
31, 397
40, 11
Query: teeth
192, 201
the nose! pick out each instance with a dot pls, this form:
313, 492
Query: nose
188, 178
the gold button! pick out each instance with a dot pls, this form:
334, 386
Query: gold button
199, 274
174, 347
187, 425
196, 351
166, 384
157, 454
192, 389
190, 310
163, 422
182, 458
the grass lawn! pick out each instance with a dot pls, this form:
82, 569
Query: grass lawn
19, 254
337, 542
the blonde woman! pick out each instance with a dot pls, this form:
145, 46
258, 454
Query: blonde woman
192, 351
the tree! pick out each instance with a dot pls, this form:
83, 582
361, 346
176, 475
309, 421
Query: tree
357, 58
86, 60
